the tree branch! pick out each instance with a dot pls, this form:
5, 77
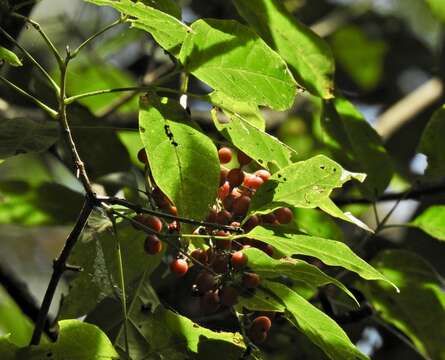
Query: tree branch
59, 268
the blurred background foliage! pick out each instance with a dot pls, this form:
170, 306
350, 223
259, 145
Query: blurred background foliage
384, 51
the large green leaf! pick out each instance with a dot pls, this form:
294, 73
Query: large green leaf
316, 325
231, 58
22, 135
308, 56
184, 162
96, 254
419, 310
438, 8
330, 252
432, 221
167, 30
297, 270
260, 300
76, 341
432, 145
357, 145
305, 184
9, 57
265, 149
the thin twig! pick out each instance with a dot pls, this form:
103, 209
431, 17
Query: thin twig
59, 268
51, 112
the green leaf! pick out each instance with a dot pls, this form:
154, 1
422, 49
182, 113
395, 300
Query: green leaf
167, 30
305, 184
184, 162
99, 278
419, 310
22, 135
167, 6
438, 9
316, 325
432, 145
76, 341
360, 56
260, 301
357, 145
231, 58
297, 270
9, 57
233, 108
331, 252
265, 149
308, 56
432, 221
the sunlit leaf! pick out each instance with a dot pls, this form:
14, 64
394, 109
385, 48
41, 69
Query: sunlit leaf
432, 221
316, 325
9, 57
438, 8
357, 145
230, 57
308, 56
184, 162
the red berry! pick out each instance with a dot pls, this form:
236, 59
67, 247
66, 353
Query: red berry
172, 210
261, 323
241, 205
251, 280
142, 156
243, 159
160, 198
223, 175
253, 181
224, 190
222, 244
153, 222
223, 217
212, 216
228, 201
238, 260
284, 215
210, 302
228, 296
220, 264
225, 155
199, 255
179, 267
263, 174
235, 177
269, 219
152, 245
251, 222
205, 281
257, 337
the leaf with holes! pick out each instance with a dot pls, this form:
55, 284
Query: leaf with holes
308, 56
357, 145
265, 149
316, 325
183, 161
297, 270
306, 184
231, 58
331, 252
166, 29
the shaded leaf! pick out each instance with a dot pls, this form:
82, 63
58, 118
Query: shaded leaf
432, 221
9, 57
260, 301
419, 310
77, 341
357, 145
265, 149
22, 135
296, 270
184, 162
231, 58
432, 145
305, 184
167, 30
316, 325
330, 252
308, 56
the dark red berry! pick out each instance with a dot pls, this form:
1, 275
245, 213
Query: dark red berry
228, 296
212, 216
251, 222
152, 245
179, 267
251, 280
210, 302
160, 198
223, 217
223, 175
253, 181
225, 155
243, 159
284, 215
153, 222
235, 177
269, 219
199, 255
257, 337
241, 205
205, 281
224, 190
261, 323
142, 156
263, 174
238, 260
220, 264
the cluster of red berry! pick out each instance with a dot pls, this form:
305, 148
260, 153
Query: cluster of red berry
225, 274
